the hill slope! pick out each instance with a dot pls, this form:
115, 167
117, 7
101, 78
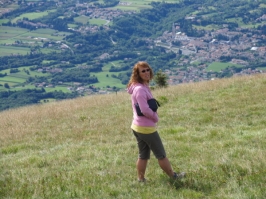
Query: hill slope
83, 148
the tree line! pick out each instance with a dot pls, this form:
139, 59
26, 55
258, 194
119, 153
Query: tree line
14, 99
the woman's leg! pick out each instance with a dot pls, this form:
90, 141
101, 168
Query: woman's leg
141, 168
156, 145
144, 155
166, 166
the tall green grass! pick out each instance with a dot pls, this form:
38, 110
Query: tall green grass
84, 148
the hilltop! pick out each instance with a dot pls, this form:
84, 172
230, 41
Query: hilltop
83, 147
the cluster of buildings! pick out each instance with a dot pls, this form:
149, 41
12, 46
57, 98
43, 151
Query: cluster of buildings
242, 48
97, 13
206, 49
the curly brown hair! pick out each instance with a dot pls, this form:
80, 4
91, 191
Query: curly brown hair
135, 77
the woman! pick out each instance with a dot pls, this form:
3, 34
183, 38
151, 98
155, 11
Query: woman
144, 127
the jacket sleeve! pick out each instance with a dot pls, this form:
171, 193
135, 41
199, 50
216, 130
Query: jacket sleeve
142, 98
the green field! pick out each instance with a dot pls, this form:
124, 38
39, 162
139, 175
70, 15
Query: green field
9, 50
8, 32
218, 66
140, 4
262, 68
32, 73
14, 80
105, 81
243, 25
263, 5
99, 22
85, 20
82, 19
47, 33
3, 21
58, 88
70, 25
9, 35
16, 83
32, 15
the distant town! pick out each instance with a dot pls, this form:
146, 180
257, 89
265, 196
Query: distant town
203, 50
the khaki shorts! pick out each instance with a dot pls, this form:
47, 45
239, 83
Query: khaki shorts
150, 142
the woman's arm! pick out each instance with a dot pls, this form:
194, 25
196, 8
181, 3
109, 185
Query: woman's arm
142, 98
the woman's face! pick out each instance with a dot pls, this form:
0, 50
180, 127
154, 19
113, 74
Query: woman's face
145, 73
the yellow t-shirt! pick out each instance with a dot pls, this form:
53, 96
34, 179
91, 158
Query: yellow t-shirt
143, 129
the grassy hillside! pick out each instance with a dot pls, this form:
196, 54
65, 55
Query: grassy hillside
83, 148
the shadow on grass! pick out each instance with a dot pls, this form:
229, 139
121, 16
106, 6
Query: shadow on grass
203, 186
